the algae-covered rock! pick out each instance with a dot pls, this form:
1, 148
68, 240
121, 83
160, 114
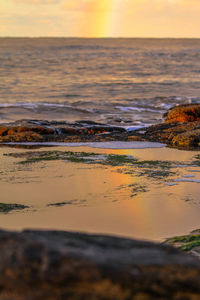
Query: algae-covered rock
7, 207
179, 135
188, 243
184, 113
64, 265
187, 139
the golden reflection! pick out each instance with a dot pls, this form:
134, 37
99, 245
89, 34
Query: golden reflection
99, 197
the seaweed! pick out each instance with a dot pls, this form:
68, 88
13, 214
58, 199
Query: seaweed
6, 208
185, 243
118, 160
155, 169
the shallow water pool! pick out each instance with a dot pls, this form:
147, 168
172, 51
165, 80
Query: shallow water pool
153, 196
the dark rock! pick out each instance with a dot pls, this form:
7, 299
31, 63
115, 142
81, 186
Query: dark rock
63, 265
46, 131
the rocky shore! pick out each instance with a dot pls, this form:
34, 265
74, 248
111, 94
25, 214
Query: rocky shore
65, 265
181, 129
58, 265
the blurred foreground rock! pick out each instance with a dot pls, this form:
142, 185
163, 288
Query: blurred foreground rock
63, 265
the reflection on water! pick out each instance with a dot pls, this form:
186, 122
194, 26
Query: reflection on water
123, 200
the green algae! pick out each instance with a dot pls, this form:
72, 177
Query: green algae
154, 163
154, 169
85, 157
37, 156
117, 160
88, 157
136, 188
6, 208
190, 246
185, 243
156, 174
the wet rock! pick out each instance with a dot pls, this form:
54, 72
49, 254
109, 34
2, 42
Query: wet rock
179, 135
184, 113
26, 136
37, 131
63, 265
187, 139
180, 130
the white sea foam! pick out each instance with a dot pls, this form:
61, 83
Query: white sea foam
33, 104
135, 127
138, 109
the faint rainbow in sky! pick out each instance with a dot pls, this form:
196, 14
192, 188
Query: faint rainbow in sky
101, 18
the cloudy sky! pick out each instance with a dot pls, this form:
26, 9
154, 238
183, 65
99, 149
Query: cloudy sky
99, 18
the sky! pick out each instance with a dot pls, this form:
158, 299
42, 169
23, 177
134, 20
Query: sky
100, 18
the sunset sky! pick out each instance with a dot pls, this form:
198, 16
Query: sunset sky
100, 18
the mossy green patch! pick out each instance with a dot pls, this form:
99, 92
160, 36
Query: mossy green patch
185, 243
190, 246
37, 156
154, 163
85, 157
156, 174
155, 169
116, 159
6, 208
136, 189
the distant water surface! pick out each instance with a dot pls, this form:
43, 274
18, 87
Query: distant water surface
114, 81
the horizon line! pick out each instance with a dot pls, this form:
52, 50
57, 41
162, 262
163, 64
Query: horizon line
85, 37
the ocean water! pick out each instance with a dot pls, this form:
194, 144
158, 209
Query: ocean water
113, 81
125, 82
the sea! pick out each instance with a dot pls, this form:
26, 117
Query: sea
125, 82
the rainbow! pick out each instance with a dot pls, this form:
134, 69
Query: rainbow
100, 18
